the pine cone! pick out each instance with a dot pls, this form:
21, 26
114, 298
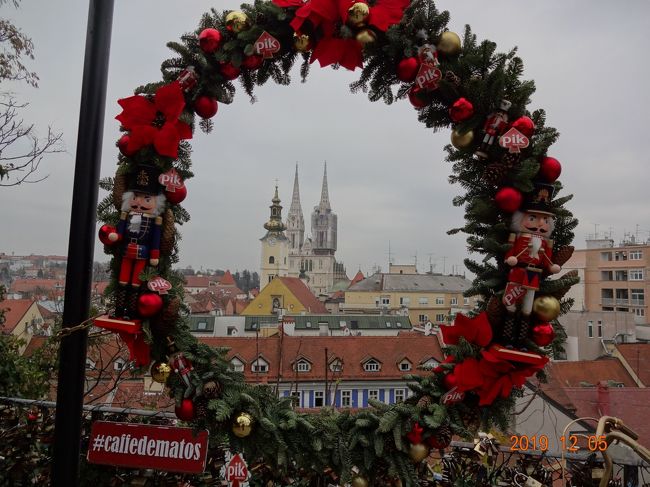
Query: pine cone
563, 254
168, 233
201, 408
441, 437
424, 402
494, 173
510, 160
165, 323
211, 389
495, 312
472, 418
560, 293
119, 187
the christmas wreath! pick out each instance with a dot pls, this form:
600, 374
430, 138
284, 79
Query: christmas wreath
499, 155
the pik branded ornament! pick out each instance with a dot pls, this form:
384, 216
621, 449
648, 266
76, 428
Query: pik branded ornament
160, 371
453, 395
494, 126
508, 199
206, 106
149, 305
302, 42
188, 79
449, 43
543, 334
546, 308
428, 77
417, 97
252, 62
418, 452
229, 71
549, 169
243, 425
358, 480
159, 285
104, 232
266, 45
462, 141
358, 14
209, 40
237, 21
123, 146
514, 141
175, 190
185, 410
177, 196
235, 471
461, 110
407, 69
366, 37
525, 125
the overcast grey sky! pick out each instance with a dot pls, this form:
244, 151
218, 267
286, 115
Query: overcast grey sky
387, 175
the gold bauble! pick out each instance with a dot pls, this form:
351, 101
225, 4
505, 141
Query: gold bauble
236, 21
301, 42
418, 452
160, 371
359, 481
243, 425
462, 141
366, 36
546, 308
358, 14
449, 43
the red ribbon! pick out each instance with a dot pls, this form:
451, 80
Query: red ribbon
475, 330
138, 115
415, 435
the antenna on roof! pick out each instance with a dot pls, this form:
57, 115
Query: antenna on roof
390, 255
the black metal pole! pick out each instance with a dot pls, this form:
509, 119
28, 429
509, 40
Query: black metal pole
81, 245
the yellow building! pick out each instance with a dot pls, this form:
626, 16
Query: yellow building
287, 294
22, 319
423, 297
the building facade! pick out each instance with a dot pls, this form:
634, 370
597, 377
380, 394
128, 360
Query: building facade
275, 245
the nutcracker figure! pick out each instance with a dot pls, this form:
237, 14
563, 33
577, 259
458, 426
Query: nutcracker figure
180, 364
493, 128
530, 255
138, 234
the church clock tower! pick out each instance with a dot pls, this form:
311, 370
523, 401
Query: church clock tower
275, 245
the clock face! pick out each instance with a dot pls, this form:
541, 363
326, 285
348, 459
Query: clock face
272, 241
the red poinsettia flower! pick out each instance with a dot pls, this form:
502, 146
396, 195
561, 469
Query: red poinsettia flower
138, 115
475, 330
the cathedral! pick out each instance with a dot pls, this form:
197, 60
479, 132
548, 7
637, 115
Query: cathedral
286, 251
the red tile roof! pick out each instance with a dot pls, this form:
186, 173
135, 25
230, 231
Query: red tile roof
304, 295
34, 344
227, 279
31, 285
353, 351
15, 309
357, 278
197, 281
637, 355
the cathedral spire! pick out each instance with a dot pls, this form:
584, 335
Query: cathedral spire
295, 199
324, 195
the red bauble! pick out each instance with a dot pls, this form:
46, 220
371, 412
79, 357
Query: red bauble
177, 196
104, 231
209, 40
450, 380
461, 110
415, 95
185, 412
229, 71
543, 334
149, 304
525, 125
438, 443
123, 144
206, 107
549, 169
407, 69
508, 199
252, 62
33, 417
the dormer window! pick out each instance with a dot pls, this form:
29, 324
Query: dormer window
405, 366
303, 366
236, 365
90, 365
336, 365
260, 366
372, 366
119, 364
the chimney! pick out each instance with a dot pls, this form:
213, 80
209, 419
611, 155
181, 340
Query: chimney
603, 399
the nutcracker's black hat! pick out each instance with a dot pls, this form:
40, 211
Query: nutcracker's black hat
144, 179
539, 200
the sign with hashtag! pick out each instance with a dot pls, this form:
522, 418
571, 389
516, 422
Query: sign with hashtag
145, 446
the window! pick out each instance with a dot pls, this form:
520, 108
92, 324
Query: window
388, 325
236, 365
620, 276
319, 399
440, 317
271, 260
638, 296
440, 300
465, 301
385, 300
600, 329
90, 364
636, 254
231, 331
342, 324
271, 278
590, 329
399, 395
320, 263
260, 366
371, 366
405, 365
454, 301
202, 325
636, 275
296, 397
119, 364
639, 311
430, 364
620, 255
346, 399
373, 394
308, 324
423, 318
404, 300
606, 276
303, 366
606, 256
336, 365
423, 300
